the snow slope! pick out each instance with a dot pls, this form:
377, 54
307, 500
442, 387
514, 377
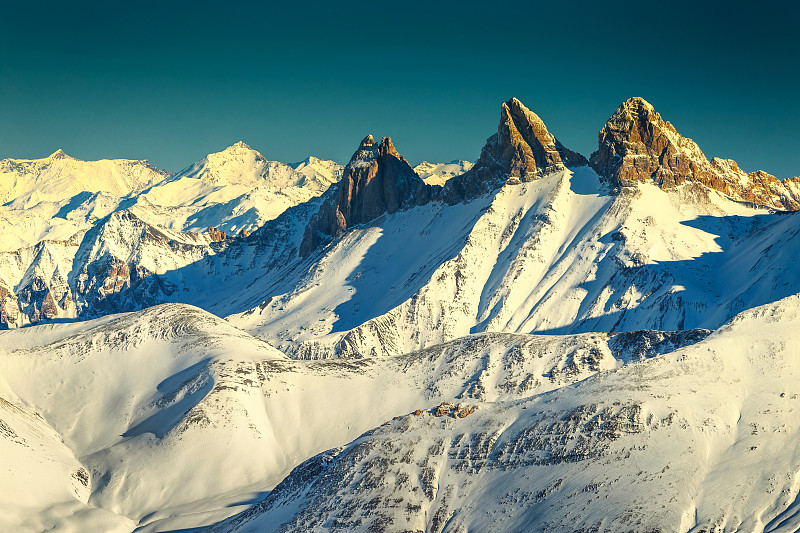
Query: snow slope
127, 395
235, 189
41, 476
60, 177
558, 254
702, 439
148, 403
109, 245
519, 350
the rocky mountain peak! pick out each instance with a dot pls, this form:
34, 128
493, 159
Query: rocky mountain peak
523, 146
238, 151
522, 149
377, 180
637, 105
215, 234
366, 152
637, 145
387, 148
234, 164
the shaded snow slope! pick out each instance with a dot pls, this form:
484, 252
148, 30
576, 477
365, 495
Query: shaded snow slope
702, 439
127, 395
253, 346
113, 266
115, 261
556, 255
42, 479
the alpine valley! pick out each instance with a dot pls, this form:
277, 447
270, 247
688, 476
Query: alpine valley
533, 341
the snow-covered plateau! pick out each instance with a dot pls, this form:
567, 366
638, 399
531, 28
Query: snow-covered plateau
535, 341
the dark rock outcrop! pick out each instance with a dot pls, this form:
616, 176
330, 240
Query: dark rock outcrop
636, 145
377, 180
524, 147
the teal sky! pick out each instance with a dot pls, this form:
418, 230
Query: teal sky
171, 82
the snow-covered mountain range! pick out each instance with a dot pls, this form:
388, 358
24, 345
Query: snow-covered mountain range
234, 190
534, 342
439, 173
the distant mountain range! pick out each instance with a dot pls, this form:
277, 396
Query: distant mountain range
536, 341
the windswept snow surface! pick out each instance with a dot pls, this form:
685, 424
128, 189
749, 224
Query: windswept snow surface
103, 253
236, 189
430, 262
555, 255
125, 397
56, 197
131, 415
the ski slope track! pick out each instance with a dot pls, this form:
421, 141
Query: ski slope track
535, 341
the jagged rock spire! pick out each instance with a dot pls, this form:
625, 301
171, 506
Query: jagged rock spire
522, 148
636, 145
377, 180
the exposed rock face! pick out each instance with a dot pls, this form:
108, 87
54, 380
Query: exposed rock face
215, 234
9, 309
122, 264
637, 145
448, 409
522, 148
110, 285
523, 145
377, 180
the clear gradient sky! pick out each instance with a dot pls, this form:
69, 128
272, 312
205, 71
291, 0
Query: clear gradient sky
171, 82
